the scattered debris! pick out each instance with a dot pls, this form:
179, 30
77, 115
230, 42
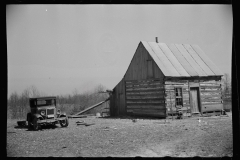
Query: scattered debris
80, 122
98, 115
199, 120
22, 123
83, 123
89, 124
106, 128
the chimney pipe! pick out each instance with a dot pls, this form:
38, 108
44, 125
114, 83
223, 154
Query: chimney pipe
156, 39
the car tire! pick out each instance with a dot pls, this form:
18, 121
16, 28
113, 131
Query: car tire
64, 123
36, 126
29, 124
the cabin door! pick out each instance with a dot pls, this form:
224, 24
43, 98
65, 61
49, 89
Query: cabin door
195, 105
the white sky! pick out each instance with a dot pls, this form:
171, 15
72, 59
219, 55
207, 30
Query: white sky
59, 48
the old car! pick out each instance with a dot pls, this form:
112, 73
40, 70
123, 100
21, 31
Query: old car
44, 112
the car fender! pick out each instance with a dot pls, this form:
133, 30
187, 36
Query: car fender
63, 115
38, 116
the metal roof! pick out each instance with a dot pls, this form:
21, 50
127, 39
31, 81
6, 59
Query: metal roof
181, 60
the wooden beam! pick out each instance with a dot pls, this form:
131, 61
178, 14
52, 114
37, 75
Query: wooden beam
207, 103
147, 81
212, 107
146, 90
211, 96
89, 108
145, 93
175, 86
144, 101
176, 82
211, 100
216, 91
146, 110
145, 104
212, 87
145, 96
144, 85
146, 107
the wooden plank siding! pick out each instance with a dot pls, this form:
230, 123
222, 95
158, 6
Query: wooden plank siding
117, 100
139, 102
145, 47
139, 66
144, 89
211, 95
139, 82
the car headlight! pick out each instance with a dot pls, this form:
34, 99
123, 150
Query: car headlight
42, 113
58, 111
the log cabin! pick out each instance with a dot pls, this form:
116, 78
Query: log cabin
163, 77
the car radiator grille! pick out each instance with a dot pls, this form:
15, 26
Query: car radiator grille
50, 111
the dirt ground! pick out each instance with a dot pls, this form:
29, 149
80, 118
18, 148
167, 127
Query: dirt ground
115, 137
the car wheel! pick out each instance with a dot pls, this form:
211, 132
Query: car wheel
36, 126
64, 123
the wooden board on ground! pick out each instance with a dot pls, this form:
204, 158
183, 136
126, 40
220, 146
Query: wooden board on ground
212, 107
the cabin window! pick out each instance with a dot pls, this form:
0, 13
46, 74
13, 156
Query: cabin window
149, 68
178, 96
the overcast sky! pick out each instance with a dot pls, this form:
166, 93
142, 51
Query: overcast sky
59, 48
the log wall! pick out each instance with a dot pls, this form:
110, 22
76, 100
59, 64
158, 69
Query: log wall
145, 97
211, 95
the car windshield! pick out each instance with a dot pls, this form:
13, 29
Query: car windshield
40, 103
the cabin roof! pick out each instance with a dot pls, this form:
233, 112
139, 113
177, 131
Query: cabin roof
181, 60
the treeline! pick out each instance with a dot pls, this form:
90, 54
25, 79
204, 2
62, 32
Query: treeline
18, 104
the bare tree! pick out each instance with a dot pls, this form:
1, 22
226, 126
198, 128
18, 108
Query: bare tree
18, 103
24, 106
13, 104
33, 91
99, 88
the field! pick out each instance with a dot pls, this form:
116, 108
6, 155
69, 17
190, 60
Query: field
115, 137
